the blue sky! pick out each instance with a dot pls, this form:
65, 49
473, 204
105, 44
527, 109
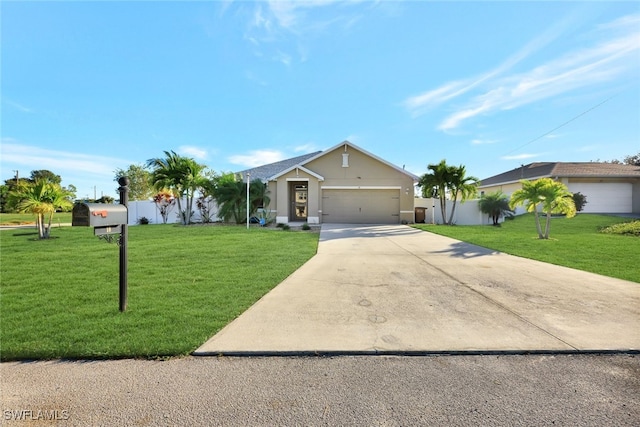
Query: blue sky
88, 87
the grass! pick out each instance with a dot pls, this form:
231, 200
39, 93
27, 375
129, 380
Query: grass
574, 242
19, 219
59, 297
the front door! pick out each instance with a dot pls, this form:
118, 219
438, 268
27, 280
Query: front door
298, 211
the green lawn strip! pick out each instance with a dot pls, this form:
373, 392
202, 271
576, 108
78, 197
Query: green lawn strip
574, 242
20, 219
59, 297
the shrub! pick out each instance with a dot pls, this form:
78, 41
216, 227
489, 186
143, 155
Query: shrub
579, 200
280, 225
306, 226
286, 227
627, 228
143, 220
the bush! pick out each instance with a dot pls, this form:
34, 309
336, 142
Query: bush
286, 227
280, 225
627, 228
143, 220
306, 226
579, 200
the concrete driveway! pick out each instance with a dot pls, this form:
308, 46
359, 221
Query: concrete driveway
385, 289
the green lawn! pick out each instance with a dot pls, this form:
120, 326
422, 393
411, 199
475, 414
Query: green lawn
17, 219
574, 242
59, 297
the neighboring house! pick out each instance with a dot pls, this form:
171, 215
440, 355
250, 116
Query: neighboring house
609, 187
344, 184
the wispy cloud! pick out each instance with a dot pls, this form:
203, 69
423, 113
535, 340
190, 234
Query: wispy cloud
61, 162
479, 141
286, 24
195, 152
305, 148
609, 58
17, 106
257, 158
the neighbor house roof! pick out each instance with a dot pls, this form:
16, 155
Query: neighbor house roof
564, 170
264, 172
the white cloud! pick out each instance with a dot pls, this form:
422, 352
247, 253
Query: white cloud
478, 141
195, 152
257, 158
18, 106
306, 148
60, 162
610, 58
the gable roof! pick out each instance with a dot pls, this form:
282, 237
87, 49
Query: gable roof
564, 170
319, 154
264, 172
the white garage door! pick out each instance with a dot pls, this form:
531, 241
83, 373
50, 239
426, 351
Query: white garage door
361, 206
605, 197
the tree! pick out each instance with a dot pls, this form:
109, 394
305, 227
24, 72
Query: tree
461, 185
445, 179
41, 198
496, 205
140, 186
632, 160
164, 201
45, 175
231, 197
552, 197
181, 175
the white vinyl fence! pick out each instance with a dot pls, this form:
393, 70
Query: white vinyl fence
148, 209
467, 213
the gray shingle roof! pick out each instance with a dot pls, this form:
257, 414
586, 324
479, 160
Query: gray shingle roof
266, 171
564, 169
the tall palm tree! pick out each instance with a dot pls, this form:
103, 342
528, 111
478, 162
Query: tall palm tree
444, 179
496, 205
434, 184
182, 175
42, 198
461, 185
552, 197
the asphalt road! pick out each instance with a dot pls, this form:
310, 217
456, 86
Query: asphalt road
513, 390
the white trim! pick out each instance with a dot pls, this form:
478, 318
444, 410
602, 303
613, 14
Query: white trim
355, 147
302, 168
361, 187
409, 212
298, 179
313, 220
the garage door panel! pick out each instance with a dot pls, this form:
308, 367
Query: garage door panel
361, 206
605, 197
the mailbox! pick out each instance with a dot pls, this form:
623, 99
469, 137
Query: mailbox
98, 215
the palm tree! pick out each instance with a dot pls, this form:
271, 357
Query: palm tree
496, 205
552, 196
434, 184
461, 185
231, 197
182, 175
445, 179
42, 198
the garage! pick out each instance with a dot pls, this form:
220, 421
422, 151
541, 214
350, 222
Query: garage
361, 206
605, 197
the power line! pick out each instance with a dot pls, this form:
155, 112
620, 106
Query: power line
563, 124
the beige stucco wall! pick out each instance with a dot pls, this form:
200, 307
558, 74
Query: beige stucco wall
363, 171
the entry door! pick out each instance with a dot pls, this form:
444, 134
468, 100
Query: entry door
299, 205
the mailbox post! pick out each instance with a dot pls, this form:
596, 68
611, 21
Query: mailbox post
124, 200
107, 221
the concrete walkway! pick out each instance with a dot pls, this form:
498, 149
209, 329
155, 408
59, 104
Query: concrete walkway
397, 290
